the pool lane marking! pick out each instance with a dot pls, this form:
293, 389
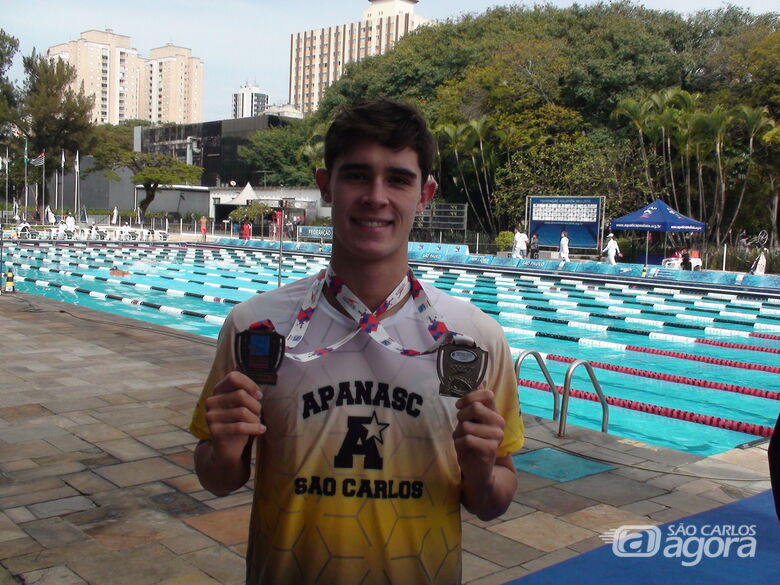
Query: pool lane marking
126, 300
686, 415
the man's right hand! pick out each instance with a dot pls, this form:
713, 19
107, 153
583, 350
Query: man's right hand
233, 416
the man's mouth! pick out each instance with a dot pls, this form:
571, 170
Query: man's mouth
373, 223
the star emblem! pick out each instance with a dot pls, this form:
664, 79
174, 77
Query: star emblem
375, 428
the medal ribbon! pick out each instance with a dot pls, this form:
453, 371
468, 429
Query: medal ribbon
365, 319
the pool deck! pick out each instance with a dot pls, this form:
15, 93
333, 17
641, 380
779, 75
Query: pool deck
97, 485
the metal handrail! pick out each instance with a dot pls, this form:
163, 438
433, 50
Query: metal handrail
545, 371
567, 390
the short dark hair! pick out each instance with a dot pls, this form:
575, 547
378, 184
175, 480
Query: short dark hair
392, 124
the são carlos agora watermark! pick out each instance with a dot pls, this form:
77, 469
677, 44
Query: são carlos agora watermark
688, 542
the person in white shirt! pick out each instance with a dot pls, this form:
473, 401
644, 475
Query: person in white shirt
563, 248
612, 250
759, 266
520, 246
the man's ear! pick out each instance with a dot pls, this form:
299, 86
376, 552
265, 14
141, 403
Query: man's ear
428, 191
322, 177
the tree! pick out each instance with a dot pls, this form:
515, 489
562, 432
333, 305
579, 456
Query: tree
113, 151
278, 153
51, 115
8, 48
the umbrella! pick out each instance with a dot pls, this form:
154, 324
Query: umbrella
657, 217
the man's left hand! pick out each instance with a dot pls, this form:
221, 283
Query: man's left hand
478, 435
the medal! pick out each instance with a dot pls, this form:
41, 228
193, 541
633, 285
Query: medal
259, 351
461, 366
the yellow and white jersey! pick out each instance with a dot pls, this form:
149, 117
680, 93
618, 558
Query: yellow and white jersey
357, 479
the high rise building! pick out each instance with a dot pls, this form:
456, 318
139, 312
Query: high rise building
174, 86
249, 101
168, 87
318, 57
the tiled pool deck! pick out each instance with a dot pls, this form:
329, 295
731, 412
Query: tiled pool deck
97, 486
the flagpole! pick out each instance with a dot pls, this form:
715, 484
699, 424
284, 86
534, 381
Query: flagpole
25, 178
76, 186
6, 181
42, 205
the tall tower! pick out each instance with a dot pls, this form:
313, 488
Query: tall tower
168, 87
174, 86
109, 69
318, 57
249, 101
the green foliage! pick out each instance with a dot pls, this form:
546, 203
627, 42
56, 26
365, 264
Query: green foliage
278, 150
253, 213
8, 48
504, 241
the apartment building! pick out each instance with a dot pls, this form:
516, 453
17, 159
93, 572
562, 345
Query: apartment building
167, 87
249, 101
318, 57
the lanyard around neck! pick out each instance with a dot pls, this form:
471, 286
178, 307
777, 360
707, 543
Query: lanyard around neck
365, 319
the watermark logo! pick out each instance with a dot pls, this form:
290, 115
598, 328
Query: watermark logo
689, 543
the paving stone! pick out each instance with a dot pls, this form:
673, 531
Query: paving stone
198, 578
542, 531
500, 578
185, 483
189, 541
178, 504
475, 567
58, 575
494, 547
61, 507
98, 433
34, 497
219, 563
53, 532
8, 529
611, 489
601, 517
514, 510
687, 502
226, 526
149, 565
18, 547
554, 501
168, 439
553, 558
19, 515
69, 442
88, 483
127, 449
137, 472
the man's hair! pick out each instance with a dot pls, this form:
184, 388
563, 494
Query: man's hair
394, 125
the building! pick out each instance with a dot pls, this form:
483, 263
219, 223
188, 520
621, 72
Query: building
249, 101
210, 145
174, 86
109, 69
318, 57
167, 87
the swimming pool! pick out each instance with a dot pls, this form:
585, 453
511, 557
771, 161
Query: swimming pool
678, 367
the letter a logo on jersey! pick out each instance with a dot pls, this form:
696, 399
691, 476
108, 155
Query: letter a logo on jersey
363, 434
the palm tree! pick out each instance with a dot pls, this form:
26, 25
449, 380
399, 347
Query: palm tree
638, 114
756, 121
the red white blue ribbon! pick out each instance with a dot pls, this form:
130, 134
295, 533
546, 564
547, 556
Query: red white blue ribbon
366, 320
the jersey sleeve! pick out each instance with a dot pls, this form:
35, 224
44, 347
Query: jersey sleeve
503, 382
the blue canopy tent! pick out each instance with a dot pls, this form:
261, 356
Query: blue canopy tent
657, 217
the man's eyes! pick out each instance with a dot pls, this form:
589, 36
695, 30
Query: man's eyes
396, 180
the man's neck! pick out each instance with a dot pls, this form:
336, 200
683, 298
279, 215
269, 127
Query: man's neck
371, 283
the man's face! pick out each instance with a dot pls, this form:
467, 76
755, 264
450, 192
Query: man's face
375, 193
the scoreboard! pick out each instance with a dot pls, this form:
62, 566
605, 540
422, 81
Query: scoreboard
580, 217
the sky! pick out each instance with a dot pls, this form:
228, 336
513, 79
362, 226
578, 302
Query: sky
239, 41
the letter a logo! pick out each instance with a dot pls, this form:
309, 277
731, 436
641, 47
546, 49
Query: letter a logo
363, 433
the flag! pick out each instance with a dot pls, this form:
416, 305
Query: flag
38, 160
63, 160
76, 164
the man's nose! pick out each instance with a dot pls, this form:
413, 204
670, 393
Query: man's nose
375, 192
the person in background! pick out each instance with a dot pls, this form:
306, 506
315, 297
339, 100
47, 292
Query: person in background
759, 264
563, 247
685, 263
533, 247
246, 230
203, 227
357, 452
612, 250
520, 245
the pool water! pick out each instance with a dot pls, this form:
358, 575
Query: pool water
704, 356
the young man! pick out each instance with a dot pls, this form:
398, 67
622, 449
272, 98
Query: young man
612, 250
563, 247
520, 246
361, 465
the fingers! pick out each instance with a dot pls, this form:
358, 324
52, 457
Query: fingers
234, 408
477, 416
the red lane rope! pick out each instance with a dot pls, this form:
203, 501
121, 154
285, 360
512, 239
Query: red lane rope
705, 359
675, 378
733, 345
765, 335
704, 419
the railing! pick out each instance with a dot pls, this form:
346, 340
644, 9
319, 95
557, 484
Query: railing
567, 390
542, 366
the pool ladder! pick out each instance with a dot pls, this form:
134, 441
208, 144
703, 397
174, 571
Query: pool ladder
566, 388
